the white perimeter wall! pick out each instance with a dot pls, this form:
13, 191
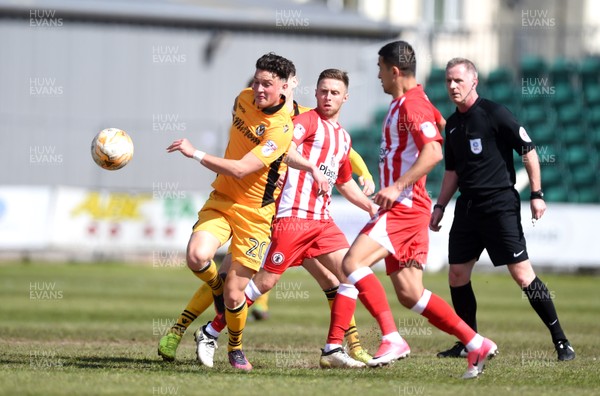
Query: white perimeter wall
157, 224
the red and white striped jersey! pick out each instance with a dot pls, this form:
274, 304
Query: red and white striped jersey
408, 126
323, 143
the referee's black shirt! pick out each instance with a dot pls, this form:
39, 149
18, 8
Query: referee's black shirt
479, 147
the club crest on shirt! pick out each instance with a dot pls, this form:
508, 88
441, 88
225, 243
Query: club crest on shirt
286, 128
260, 130
277, 258
476, 146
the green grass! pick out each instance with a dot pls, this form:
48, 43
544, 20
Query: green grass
93, 329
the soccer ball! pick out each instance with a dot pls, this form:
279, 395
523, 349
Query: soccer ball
112, 148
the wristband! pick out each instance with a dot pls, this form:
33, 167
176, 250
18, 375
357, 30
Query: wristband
537, 195
198, 155
442, 207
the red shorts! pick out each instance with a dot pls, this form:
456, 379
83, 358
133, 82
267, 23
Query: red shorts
294, 239
404, 232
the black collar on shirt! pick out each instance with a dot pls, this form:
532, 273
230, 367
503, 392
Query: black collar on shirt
274, 109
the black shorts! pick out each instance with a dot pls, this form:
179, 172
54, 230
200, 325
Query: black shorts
492, 223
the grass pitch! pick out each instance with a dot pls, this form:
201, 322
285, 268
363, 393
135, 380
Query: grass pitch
93, 329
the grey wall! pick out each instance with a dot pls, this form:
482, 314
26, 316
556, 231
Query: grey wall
60, 85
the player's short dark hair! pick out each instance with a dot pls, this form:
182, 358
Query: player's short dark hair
400, 54
278, 65
335, 74
462, 61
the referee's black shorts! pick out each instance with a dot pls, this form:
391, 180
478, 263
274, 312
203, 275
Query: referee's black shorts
493, 223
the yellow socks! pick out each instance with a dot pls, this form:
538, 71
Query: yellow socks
210, 275
201, 300
236, 321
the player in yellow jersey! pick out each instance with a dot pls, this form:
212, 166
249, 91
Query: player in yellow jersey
203, 298
241, 206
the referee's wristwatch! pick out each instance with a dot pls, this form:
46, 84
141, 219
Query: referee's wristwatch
539, 194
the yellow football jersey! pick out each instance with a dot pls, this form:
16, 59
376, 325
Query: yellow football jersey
268, 134
299, 109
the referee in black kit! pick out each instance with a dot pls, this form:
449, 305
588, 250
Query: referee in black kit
480, 138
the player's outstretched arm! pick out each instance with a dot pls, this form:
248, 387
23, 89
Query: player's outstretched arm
295, 160
237, 168
352, 192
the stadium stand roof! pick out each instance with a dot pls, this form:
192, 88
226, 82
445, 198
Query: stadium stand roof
255, 15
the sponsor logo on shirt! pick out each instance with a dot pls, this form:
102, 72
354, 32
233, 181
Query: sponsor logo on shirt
240, 125
269, 148
299, 131
524, 135
329, 172
428, 129
383, 153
